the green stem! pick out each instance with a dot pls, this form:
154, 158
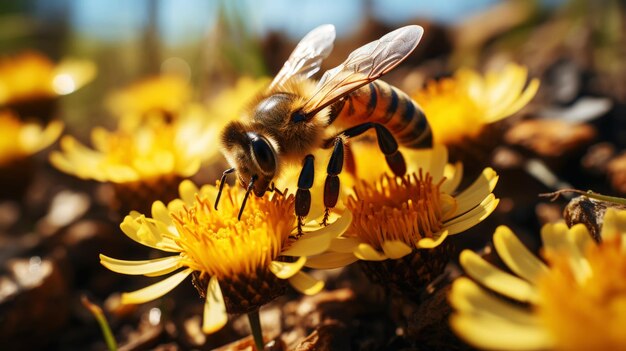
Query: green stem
102, 321
255, 326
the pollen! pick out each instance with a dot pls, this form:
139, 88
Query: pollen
215, 243
406, 208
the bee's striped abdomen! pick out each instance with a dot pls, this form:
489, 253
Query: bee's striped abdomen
382, 103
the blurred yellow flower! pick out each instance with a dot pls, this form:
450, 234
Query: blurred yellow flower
577, 301
223, 253
230, 103
19, 139
459, 107
149, 151
31, 75
163, 95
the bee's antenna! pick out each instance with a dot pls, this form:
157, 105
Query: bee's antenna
245, 198
222, 180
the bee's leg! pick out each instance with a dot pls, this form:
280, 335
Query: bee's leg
303, 195
386, 142
331, 186
389, 146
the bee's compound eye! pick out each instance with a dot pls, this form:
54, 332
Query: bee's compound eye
264, 155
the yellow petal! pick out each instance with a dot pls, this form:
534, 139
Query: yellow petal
314, 243
490, 334
157, 290
496, 279
516, 256
528, 94
367, 253
614, 224
429, 243
331, 260
395, 249
215, 316
343, 245
468, 298
473, 217
286, 270
478, 191
188, 190
306, 284
454, 176
141, 267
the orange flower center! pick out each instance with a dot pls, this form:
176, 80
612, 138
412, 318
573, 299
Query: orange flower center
405, 208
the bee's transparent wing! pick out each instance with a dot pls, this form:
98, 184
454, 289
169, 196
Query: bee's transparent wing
306, 58
363, 65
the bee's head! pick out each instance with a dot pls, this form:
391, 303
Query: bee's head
251, 154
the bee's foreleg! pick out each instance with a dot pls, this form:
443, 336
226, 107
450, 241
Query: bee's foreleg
303, 195
332, 184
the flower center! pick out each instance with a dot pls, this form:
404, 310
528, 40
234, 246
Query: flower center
589, 312
405, 208
218, 244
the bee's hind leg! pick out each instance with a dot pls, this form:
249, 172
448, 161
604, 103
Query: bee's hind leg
332, 184
303, 195
386, 142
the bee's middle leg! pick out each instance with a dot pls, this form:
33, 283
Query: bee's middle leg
303, 195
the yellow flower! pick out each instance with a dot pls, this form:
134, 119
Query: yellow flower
393, 215
577, 301
165, 94
31, 75
230, 103
19, 140
259, 251
459, 107
150, 151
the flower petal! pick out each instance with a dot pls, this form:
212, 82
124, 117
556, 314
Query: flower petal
479, 190
188, 190
215, 316
367, 253
317, 242
429, 243
395, 249
286, 270
516, 256
140, 267
473, 217
343, 245
306, 284
496, 279
614, 225
454, 176
331, 260
157, 290
467, 297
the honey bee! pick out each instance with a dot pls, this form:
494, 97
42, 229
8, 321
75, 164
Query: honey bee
291, 117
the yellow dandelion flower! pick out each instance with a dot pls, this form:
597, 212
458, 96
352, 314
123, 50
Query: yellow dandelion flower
575, 301
31, 76
164, 95
401, 223
223, 254
21, 139
143, 163
459, 107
